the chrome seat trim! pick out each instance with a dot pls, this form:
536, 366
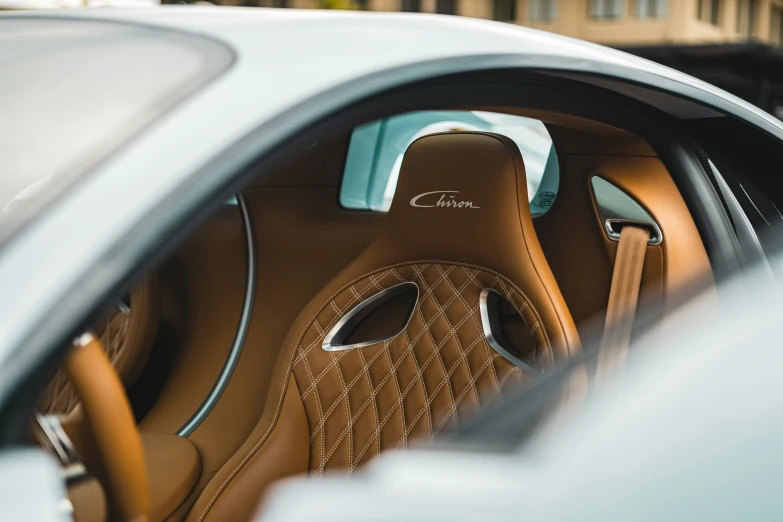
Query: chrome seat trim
616, 209
333, 335
486, 325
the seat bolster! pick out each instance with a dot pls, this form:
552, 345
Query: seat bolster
277, 448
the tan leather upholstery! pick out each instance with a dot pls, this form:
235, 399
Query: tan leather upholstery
88, 500
127, 338
203, 295
209, 276
335, 410
173, 469
440, 370
584, 269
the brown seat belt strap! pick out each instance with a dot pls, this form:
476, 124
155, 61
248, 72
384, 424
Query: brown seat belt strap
623, 298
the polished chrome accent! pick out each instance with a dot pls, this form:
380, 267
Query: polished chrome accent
52, 437
84, 339
241, 333
617, 209
614, 227
123, 307
492, 338
333, 338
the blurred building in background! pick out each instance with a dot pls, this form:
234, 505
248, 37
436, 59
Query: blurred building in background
73, 4
734, 44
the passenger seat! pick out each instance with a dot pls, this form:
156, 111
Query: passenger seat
450, 309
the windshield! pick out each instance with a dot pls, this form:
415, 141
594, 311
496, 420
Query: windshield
71, 91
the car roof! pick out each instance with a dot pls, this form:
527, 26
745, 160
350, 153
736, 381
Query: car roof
330, 46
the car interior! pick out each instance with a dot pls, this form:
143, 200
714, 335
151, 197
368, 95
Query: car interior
381, 280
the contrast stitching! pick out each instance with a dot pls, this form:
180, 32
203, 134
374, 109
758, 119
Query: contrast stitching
441, 309
389, 268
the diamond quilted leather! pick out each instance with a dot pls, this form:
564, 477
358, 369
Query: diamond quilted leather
59, 397
435, 374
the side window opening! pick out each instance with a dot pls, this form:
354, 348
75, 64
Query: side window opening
744, 229
745, 164
376, 151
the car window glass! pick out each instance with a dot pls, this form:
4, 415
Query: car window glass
376, 151
71, 91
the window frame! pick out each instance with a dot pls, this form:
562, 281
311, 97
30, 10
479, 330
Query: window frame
446, 7
776, 20
542, 11
410, 6
747, 17
651, 9
510, 8
607, 9
710, 11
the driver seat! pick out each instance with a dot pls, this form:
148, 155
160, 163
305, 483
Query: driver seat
459, 230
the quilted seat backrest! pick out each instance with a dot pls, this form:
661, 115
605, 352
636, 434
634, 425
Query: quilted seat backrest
459, 226
439, 370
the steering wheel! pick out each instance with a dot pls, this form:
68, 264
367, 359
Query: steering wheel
114, 440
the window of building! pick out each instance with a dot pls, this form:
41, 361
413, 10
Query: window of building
606, 9
264, 3
716, 6
448, 7
360, 5
376, 151
747, 14
411, 6
651, 9
542, 10
504, 10
710, 11
776, 31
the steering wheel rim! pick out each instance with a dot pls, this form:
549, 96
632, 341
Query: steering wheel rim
110, 420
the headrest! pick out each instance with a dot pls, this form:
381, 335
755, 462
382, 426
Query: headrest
460, 213
461, 196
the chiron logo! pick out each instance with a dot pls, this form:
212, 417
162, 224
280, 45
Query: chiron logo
441, 199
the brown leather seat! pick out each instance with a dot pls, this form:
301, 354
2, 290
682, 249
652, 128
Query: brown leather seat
459, 224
